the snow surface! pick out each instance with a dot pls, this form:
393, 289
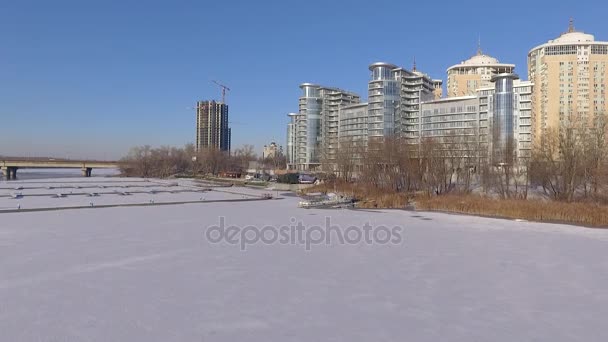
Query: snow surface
75, 192
148, 274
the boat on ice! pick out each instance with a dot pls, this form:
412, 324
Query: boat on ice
329, 201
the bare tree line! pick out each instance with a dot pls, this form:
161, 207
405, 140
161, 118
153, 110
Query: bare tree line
568, 164
165, 161
572, 163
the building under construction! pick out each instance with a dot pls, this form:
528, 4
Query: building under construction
212, 129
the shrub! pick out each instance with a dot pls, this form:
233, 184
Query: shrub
533, 210
288, 178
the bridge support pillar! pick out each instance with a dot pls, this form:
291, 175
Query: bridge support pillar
86, 171
9, 172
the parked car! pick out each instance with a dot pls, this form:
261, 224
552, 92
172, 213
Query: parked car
306, 179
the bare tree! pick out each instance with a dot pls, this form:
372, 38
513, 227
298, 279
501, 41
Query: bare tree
596, 157
138, 162
211, 161
558, 162
144, 161
347, 157
241, 158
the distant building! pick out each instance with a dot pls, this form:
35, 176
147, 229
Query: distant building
330, 118
476, 72
493, 123
272, 150
313, 132
291, 152
453, 121
333, 100
212, 130
509, 115
394, 100
353, 130
353, 124
571, 78
438, 92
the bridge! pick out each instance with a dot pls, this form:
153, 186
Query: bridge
9, 167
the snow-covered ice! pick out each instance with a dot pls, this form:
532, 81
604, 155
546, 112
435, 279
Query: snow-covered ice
148, 274
75, 192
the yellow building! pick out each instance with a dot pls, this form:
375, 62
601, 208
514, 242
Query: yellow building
570, 74
476, 72
438, 89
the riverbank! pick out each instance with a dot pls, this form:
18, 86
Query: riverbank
584, 214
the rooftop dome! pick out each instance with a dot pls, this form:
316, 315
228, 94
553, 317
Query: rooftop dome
480, 59
574, 37
570, 37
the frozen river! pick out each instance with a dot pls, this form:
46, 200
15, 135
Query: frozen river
150, 273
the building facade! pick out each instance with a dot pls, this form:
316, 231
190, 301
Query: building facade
313, 131
212, 130
290, 153
492, 125
506, 121
329, 117
454, 124
332, 100
383, 100
394, 97
353, 125
308, 132
438, 92
571, 77
465, 78
353, 133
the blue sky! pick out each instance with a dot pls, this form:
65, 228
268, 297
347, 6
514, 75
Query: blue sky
90, 79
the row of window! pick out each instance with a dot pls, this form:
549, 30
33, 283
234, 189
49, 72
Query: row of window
451, 110
451, 132
456, 124
445, 118
560, 50
599, 49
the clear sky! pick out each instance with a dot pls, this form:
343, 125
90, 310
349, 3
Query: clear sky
90, 79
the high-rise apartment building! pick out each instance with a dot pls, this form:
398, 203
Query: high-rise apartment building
353, 130
571, 77
291, 153
505, 121
212, 129
438, 92
383, 100
394, 96
330, 117
353, 123
474, 73
493, 123
313, 131
506, 107
333, 99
